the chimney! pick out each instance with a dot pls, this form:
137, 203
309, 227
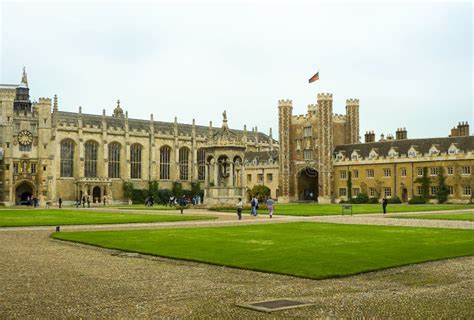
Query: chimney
369, 136
401, 134
463, 129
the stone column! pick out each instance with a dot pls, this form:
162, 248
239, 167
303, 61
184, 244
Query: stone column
206, 176
216, 173
231, 174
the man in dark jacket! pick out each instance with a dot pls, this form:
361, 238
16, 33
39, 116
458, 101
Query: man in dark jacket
182, 203
384, 205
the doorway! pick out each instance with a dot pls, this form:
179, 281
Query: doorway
308, 185
96, 194
24, 194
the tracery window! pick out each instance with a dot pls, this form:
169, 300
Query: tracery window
165, 153
67, 158
114, 160
90, 164
136, 161
183, 164
201, 162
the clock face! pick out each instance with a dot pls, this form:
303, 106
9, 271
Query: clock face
25, 137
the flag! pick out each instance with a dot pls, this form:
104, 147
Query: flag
314, 78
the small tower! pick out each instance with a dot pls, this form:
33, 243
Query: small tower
285, 110
22, 100
118, 111
325, 135
352, 121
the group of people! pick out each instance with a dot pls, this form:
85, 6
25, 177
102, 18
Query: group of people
85, 199
254, 207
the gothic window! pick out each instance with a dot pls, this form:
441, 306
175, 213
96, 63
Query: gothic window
136, 161
165, 153
114, 160
308, 154
67, 158
183, 163
308, 131
25, 147
201, 159
90, 164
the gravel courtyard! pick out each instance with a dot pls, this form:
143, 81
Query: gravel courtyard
44, 278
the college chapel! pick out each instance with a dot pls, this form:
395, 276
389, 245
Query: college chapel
49, 153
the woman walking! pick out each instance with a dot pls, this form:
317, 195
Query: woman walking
240, 206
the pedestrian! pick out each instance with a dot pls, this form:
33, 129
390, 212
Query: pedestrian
254, 206
83, 201
270, 207
78, 203
60, 201
240, 206
182, 203
88, 201
384, 205
105, 200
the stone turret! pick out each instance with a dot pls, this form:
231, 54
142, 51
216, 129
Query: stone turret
285, 111
325, 134
352, 121
118, 111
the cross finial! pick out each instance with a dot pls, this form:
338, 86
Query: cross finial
224, 115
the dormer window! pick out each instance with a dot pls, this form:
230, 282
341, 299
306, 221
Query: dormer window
354, 155
339, 156
392, 153
373, 155
434, 151
453, 149
412, 152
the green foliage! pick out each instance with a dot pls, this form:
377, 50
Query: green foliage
196, 190
442, 194
417, 200
128, 189
349, 186
425, 184
360, 198
139, 195
177, 189
164, 195
154, 190
373, 200
444, 216
277, 244
394, 200
261, 192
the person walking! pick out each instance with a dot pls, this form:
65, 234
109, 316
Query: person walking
60, 201
384, 205
182, 203
78, 203
105, 200
270, 207
240, 206
83, 201
254, 206
88, 201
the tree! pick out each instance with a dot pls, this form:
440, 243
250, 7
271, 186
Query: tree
349, 186
260, 192
442, 194
128, 190
425, 184
154, 190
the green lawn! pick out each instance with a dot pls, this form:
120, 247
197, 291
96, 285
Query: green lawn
310, 209
305, 249
441, 216
45, 217
143, 207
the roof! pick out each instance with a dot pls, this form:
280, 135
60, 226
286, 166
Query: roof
262, 156
465, 144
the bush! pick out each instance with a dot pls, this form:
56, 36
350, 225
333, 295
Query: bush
361, 198
138, 196
373, 200
417, 200
261, 192
164, 196
394, 200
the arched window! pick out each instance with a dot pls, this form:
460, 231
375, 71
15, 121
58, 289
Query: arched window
183, 163
136, 161
91, 149
114, 160
165, 153
67, 158
201, 162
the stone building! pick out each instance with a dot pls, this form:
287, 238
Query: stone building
321, 149
49, 153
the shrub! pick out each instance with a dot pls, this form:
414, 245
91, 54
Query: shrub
394, 200
261, 192
138, 196
417, 200
373, 200
361, 198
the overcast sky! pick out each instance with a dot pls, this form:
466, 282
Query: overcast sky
409, 64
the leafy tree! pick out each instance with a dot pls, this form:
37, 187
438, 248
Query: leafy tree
260, 192
425, 184
442, 194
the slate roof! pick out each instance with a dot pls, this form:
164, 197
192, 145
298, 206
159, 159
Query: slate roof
262, 156
138, 124
465, 144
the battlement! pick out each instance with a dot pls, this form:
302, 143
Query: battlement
325, 96
352, 102
312, 107
339, 117
44, 100
285, 103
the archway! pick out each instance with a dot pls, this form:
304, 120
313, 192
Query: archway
404, 195
96, 194
24, 193
308, 185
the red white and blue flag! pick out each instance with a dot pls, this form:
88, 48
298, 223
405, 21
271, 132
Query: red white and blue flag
314, 78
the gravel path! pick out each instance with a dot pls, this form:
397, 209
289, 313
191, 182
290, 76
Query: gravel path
43, 278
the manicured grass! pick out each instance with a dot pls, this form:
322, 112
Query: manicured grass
48, 217
310, 209
305, 249
143, 207
441, 216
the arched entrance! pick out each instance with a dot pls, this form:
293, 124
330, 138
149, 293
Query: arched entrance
96, 194
308, 185
404, 195
23, 193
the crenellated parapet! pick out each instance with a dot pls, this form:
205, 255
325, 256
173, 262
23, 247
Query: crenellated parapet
43, 100
285, 103
324, 96
352, 102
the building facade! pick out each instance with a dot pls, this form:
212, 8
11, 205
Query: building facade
49, 153
321, 157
